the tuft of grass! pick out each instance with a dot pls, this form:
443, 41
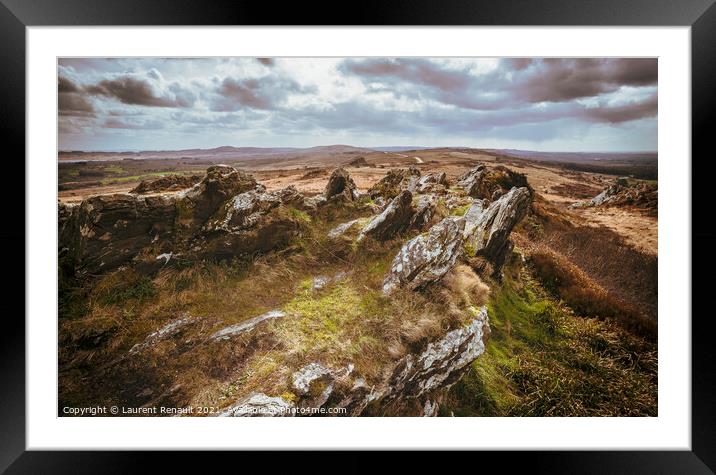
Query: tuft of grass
122, 286
461, 210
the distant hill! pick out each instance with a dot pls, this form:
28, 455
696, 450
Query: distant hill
578, 156
225, 152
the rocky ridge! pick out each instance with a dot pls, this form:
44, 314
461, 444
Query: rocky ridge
228, 214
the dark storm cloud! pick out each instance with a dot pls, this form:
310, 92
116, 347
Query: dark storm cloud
417, 71
623, 113
136, 91
556, 80
66, 85
257, 93
515, 81
70, 101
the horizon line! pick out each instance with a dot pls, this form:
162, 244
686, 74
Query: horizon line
375, 148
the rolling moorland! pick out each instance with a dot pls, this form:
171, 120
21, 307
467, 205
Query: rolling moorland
396, 282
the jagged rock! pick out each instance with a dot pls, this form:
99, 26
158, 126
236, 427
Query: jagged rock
643, 196
440, 364
427, 257
245, 326
166, 183
433, 183
314, 383
488, 228
292, 197
106, 231
340, 184
260, 405
424, 377
473, 216
491, 183
242, 212
250, 222
424, 211
394, 218
394, 182
200, 202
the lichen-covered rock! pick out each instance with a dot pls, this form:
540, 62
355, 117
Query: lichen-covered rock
245, 326
488, 228
422, 377
394, 182
433, 183
108, 230
341, 185
292, 197
168, 330
491, 183
260, 405
200, 202
250, 222
424, 211
394, 218
440, 364
427, 257
165, 184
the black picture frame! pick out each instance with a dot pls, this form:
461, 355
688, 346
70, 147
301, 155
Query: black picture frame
700, 15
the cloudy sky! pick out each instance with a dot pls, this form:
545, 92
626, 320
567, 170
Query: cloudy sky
531, 104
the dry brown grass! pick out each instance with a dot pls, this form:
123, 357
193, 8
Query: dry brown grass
605, 259
585, 296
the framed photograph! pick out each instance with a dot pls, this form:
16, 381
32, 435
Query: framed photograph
467, 228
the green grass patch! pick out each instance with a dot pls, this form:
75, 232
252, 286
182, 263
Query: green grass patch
461, 210
543, 361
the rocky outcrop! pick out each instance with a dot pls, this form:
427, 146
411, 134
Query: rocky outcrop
433, 183
314, 383
488, 227
427, 257
419, 380
394, 218
250, 222
621, 193
106, 231
340, 185
491, 183
394, 182
199, 203
424, 212
227, 213
427, 375
165, 184
484, 230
